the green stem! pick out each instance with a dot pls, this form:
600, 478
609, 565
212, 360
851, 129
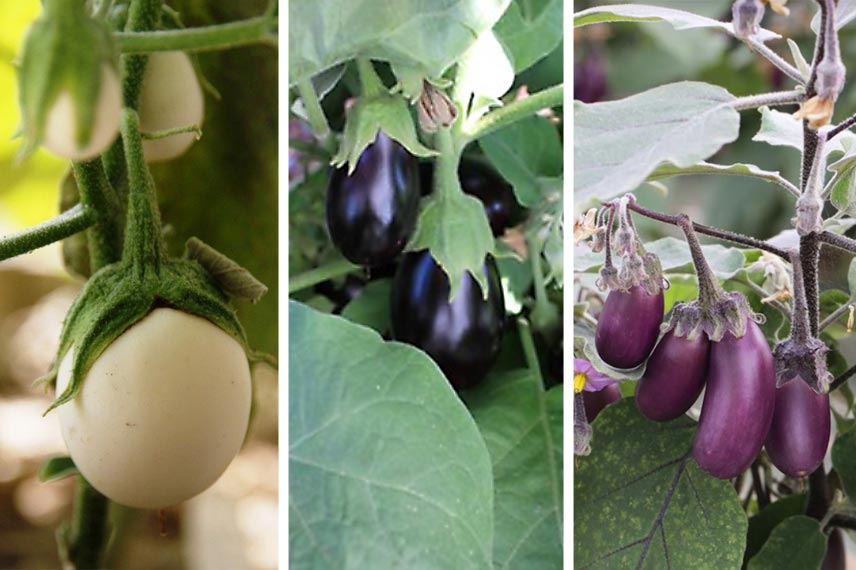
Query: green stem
317, 119
446, 182
204, 38
89, 531
142, 15
372, 85
550, 97
66, 224
312, 277
545, 315
105, 237
144, 247
166, 133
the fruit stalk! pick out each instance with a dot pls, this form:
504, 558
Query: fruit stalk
105, 237
203, 38
507, 114
68, 223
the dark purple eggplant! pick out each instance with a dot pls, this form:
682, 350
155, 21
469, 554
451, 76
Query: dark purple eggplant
500, 205
674, 377
463, 336
628, 327
799, 434
836, 557
595, 402
738, 404
372, 213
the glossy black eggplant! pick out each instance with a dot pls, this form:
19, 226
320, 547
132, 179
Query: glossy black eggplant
628, 327
500, 205
836, 555
674, 377
462, 336
372, 213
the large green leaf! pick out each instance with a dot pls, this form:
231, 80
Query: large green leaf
522, 426
386, 467
428, 36
796, 543
679, 19
640, 500
675, 257
761, 525
619, 143
667, 170
529, 30
525, 153
783, 129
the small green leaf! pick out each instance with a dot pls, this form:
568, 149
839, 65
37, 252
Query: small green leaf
455, 229
667, 170
762, 524
387, 113
619, 143
783, 129
799, 60
233, 279
640, 500
57, 468
523, 153
796, 543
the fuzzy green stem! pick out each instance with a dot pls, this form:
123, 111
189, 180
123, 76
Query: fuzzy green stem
515, 111
446, 182
545, 315
105, 237
68, 223
143, 15
144, 246
777, 98
317, 119
166, 133
206, 38
312, 277
371, 83
89, 531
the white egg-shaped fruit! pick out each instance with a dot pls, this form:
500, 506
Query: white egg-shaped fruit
60, 130
170, 98
161, 413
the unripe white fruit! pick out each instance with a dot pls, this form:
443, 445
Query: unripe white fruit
60, 130
171, 98
161, 413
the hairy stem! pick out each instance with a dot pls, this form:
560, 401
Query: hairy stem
105, 237
707, 230
520, 109
844, 377
775, 59
837, 313
777, 98
312, 277
205, 38
317, 118
709, 290
801, 319
68, 223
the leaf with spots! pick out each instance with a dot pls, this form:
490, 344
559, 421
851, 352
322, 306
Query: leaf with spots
640, 500
387, 469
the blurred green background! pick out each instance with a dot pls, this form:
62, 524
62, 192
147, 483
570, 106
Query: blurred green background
224, 190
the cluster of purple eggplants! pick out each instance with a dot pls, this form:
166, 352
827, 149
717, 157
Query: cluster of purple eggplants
371, 215
742, 409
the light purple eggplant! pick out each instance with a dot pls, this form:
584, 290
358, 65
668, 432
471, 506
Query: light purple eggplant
595, 402
738, 404
799, 434
674, 377
628, 327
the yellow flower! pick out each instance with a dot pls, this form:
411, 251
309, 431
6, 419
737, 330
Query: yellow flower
817, 111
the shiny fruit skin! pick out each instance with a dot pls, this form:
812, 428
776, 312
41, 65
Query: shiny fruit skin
836, 555
462, 336
674, 377
738, 404
372, 213
799, 434
628, 327
595, 402
495, 194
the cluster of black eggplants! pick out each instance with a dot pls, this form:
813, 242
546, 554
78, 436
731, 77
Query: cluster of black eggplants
371, 215
742, 410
